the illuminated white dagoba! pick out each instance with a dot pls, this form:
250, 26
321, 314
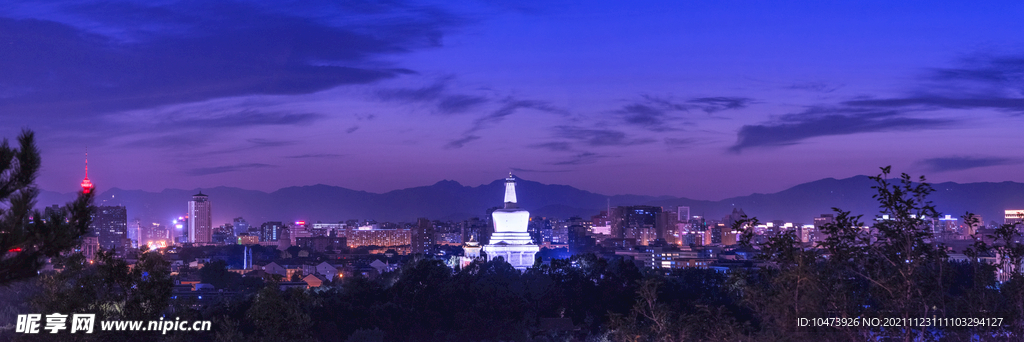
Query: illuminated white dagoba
510, 239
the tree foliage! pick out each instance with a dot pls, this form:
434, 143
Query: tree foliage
27, 237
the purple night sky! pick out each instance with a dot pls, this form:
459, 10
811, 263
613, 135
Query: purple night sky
701, 99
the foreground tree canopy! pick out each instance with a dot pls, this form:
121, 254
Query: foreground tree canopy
27, 237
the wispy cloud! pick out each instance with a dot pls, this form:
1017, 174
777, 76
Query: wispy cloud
818, 87
316, 155
599, 137
1015, 105
203, 171
250, 118
645, 116
423, 94
251, 144
958, 163
508, 107
518, 170
554, 146
453, 104
172, 140
716, 104
260, 142
458, 143
978, 82
657, 113
678, 142
444, 101
816, 122
194, 51
581, 159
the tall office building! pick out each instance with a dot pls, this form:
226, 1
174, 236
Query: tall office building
110, 226
1013, 216
817, 234
240, 226
510, 239
638, 222
731, 219
666, 226
683, 214
423, 237
200, 220
271, 231
135, 233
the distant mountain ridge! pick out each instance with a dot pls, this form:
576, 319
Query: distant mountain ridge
449, 200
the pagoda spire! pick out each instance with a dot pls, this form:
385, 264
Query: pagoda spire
510, 190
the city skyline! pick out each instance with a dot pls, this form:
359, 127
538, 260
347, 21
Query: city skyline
713, 100
421, 170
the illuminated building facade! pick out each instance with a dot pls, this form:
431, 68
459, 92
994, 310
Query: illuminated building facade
248, 239
1013, 216
638, 222
271, 231
241, 226
378, 237
511, 240
110, 226
200, 223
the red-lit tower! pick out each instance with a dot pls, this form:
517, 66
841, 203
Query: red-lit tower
86, 184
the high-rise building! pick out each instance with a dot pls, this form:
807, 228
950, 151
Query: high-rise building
683, 214
731, 219
271, 231
110, 226
638, 222
423, 237
1013, 216
822, 220
601, 223
200, 219
156, 235
666, 226
819, 222
559, 233
288, 234
240, 225
135, 233
179, 230
52, 210
510, 240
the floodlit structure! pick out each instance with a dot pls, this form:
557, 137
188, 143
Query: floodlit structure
1013, 216
200, 223
86, 184
510, 239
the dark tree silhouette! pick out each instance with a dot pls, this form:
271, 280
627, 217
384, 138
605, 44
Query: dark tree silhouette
27, 237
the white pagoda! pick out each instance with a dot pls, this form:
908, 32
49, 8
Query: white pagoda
510, 239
